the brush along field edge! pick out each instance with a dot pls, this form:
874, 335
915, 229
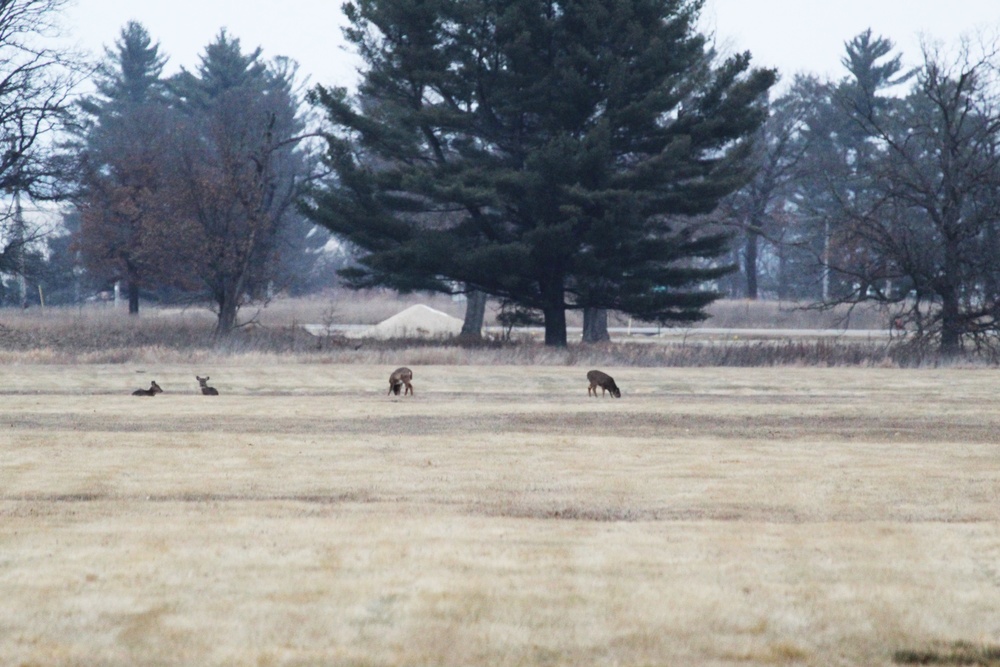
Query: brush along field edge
500, 516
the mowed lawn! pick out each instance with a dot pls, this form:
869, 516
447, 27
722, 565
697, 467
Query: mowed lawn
499, 517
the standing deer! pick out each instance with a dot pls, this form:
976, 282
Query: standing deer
400, 377
205, 389
153, 390
604, 381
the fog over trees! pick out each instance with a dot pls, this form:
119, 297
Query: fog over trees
593, 155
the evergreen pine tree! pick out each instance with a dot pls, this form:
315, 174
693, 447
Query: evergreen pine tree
130, 74
548, 153
122, 161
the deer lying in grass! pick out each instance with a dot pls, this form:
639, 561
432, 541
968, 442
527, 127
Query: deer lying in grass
153, 390
605, 382
400, 377
205, 389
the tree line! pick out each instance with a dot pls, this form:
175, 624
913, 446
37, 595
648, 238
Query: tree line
186, 186
191, 182
882, 187
590, 155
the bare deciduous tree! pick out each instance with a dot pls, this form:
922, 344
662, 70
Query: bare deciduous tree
756, 209
242, 172
927, 231
35, 83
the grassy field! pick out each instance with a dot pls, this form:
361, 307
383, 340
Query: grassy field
792, 516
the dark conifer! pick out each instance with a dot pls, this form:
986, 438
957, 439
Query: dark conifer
549, 153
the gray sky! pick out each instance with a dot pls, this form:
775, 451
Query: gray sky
792, 35
808, 35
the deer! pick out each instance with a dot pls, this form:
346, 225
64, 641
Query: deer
153, 390
205, 389
604, 381
401, 376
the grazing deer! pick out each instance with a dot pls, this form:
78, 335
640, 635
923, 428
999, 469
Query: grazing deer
400, 377
153, 390
205, 389
605, 382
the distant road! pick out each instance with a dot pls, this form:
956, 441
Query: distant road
671, 334
696, 332
715, 333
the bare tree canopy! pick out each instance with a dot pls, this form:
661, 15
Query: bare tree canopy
242, 171
35, 84
924, 231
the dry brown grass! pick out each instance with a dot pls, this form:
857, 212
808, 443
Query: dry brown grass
103, 335
500, 516
369, 307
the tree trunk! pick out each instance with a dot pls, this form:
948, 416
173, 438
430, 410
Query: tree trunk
555, 326
951, 335
554, 311
132, 280
475, 312
951, 324
782, 272
595, 325
228, 309
750, 253
133, 297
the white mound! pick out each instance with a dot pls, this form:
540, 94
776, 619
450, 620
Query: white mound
417, 321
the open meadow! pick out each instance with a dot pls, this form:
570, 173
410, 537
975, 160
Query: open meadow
711, 516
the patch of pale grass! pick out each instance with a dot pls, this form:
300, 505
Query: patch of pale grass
500, 516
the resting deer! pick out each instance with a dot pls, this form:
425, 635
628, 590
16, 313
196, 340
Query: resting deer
605, 382
205, 389
400, 377
153, 390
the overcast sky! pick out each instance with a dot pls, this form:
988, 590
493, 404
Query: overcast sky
792, 35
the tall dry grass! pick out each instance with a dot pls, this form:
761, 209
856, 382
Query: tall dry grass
370, 307
102, 334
